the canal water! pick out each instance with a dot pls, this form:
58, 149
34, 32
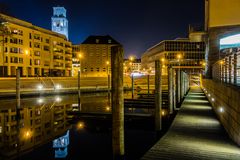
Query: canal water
48, 130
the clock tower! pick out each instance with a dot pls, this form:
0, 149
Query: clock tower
59, 21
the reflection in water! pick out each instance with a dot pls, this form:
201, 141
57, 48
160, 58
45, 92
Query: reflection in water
43, 119
61, 146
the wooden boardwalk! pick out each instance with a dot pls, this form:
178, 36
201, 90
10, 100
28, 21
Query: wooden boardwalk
195, 134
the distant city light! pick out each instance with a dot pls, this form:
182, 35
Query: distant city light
58, 99
108, 108
58, 86
40, 100
163, 113
40, 87
80, 125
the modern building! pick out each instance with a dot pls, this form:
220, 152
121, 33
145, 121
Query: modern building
33, 50
179, 53
95, 54
221, 21
59, 21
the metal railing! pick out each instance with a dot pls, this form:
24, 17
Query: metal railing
227, 69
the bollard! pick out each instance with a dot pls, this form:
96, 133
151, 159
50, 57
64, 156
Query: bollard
117, 102
158, 96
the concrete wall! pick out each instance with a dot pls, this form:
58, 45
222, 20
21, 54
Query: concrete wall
228, 98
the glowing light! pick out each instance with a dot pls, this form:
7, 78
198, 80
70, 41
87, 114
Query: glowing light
221, 62
179, 56
213, 99
162, 59
107, 62
163, 113
80, 55
58, 99
204, 64
40, 87
107, 108
27, 134
58, 86
40, 100
26, 52
80, 125
221, 110
209, 95
131, 58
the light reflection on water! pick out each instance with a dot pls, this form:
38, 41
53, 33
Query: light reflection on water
46, 119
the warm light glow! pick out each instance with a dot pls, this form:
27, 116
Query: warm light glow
107, 62
179, 56
108, 108
130, 63
40, 87
163, 113
209, 95
221, 62
79, 55
213, 99
162, 59
27, 134
80, 125
204, 64
58, 86
26, 52
58, 99
40, 100
150, 68
131, 58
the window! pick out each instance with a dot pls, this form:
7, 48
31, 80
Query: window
20, 60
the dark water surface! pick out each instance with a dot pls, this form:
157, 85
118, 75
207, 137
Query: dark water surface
47, 131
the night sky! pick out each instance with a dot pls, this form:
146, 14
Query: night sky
136, 24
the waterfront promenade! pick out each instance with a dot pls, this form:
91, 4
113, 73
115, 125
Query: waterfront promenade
196, 134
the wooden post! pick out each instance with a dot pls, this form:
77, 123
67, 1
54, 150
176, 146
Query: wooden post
174, 90
182, 85
170, 90
117, 102
132, 86
158, 96
148, 83
18, 88
178, 85
225, 68
79, 91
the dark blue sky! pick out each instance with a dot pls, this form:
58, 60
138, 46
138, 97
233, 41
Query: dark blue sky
136, 24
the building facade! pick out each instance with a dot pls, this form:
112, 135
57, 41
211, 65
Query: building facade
59, 21
221, 21
95, 54
182, 53
34, 50
132, 65
75, 60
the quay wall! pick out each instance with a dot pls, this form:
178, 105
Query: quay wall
225, 100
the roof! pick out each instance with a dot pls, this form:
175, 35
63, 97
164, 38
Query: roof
6, 18
100, 40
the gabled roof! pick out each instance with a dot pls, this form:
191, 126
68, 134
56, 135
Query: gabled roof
100, 40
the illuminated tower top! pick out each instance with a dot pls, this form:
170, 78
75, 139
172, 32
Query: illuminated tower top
59, 21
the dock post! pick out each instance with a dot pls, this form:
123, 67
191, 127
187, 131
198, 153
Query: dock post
182, 85
235, 69
79, 91
18, 88
132, 86
158, 96
170, 90
117, 102
174, 89
178, 85
148, 83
